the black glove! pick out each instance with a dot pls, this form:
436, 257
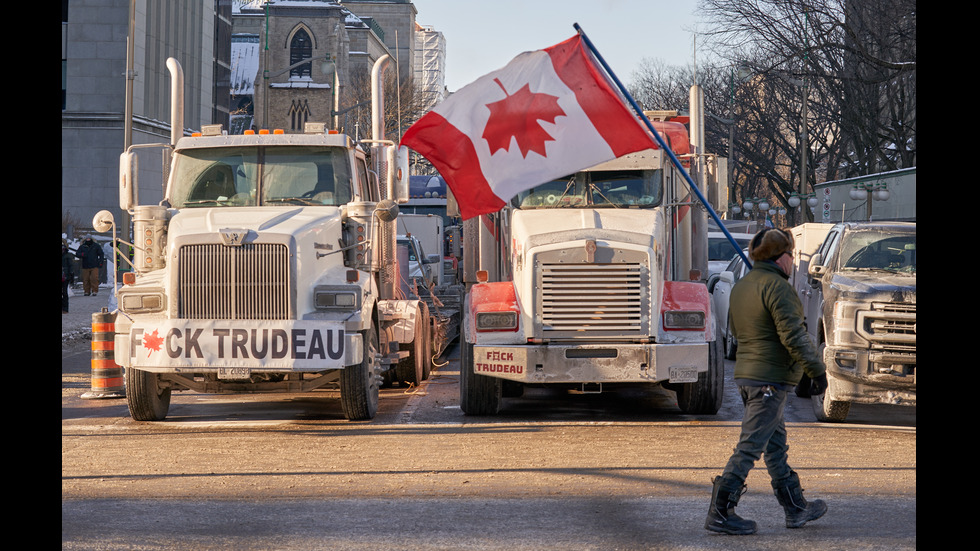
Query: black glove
818, 385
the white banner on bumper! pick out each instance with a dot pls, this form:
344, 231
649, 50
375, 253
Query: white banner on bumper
299, 345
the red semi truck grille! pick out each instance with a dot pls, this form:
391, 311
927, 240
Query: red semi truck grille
592, 299
246, 282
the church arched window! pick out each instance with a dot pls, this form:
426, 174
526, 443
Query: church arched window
300, 48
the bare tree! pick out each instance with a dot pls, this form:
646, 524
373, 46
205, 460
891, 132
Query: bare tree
829, 89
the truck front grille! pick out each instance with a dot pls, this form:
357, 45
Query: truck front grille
582, 300
245, 282
889, 326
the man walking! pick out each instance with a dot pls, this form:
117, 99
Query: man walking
91, 255
774, 351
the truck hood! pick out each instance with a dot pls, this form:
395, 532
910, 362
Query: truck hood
877, 285
545, 226
289, 220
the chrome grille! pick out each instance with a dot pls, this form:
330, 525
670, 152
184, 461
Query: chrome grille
592, 299
889, 326
245, 282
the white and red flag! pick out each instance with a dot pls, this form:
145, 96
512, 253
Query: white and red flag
546, 114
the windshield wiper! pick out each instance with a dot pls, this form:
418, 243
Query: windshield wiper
301, 200
201, 202
595, 191
568, 186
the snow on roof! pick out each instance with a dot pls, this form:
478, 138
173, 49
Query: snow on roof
253, 5
245, 50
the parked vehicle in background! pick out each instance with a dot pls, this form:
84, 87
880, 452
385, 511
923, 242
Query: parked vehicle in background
721, 250
859, 303
418, 280
720, 286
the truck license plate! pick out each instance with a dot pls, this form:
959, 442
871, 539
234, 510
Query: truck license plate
234, 372
683, 375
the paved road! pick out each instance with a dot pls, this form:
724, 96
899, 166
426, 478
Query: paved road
552, 471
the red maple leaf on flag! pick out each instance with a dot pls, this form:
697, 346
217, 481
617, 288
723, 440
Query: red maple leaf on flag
152, 342
517, 116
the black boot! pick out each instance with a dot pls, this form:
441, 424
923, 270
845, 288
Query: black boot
790, 496
721, 513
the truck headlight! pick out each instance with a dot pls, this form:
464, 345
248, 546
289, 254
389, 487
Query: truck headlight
683, 319
496, 321
142, 302
845, 331
337, 298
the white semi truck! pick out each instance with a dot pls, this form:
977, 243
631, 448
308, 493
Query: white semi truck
269, 266
593, 281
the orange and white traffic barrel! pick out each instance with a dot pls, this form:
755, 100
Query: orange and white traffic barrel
107, 377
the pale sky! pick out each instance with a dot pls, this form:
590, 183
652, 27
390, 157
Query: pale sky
484, 35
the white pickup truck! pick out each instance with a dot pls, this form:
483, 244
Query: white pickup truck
858, 293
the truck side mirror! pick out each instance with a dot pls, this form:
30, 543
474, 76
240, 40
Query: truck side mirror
814, 269
127, 180
398, 172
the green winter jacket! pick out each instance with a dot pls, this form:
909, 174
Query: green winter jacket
767, 321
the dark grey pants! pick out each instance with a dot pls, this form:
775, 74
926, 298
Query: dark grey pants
763, 435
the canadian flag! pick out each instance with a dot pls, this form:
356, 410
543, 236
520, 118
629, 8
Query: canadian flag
546, 114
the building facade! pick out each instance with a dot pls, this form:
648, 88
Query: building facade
397, 20
430, 65
94, 89
309, 54
224, 48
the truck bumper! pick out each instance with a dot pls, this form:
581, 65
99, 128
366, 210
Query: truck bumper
870, 377
592, 363
217, 346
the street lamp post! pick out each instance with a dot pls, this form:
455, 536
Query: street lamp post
877, 191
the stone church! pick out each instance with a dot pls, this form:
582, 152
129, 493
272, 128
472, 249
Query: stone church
312, 61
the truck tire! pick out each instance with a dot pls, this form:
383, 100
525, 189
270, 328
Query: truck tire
415, 368
731, 345
828, 410
825, 408
360, 384
427, 346
478, 394
147, 399
705, 395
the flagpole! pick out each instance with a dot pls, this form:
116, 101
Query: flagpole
663, 144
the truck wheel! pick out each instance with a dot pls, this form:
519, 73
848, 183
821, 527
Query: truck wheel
359, 384
730, 344
825, 408
147, 399
828, 410
416, 367
427, 346
705, 396
478, 394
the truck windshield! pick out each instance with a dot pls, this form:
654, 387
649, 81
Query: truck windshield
241, 176
878, 249
599, 189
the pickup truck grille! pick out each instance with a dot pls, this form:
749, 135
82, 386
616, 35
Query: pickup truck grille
889, 326
245, 282
582, 300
